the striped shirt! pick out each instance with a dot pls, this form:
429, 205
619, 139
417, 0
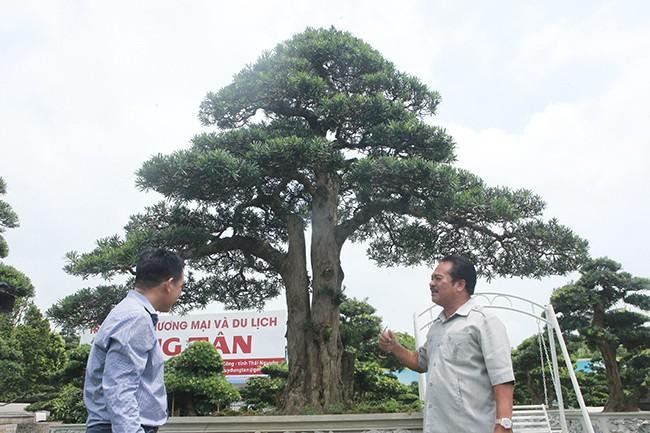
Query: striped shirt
124, 383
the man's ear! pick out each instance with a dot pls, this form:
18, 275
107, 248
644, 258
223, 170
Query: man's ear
167, 285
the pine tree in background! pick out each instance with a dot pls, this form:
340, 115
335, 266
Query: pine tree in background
609, 308
13, 283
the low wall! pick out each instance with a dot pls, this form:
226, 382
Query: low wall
23, 427
604, 422
630, 422
16, 418
392, 422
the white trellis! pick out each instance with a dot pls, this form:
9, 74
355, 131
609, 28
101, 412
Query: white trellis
543, 314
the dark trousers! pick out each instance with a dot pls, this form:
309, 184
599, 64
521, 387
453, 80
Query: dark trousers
106, 428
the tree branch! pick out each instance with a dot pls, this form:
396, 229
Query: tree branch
256, 247
289, 111
463, 222
364, 214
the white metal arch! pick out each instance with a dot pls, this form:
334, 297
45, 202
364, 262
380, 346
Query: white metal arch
543, 313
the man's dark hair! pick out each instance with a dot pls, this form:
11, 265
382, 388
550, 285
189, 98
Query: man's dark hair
462, 269
155, 266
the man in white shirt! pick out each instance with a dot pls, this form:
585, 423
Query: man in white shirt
470, 380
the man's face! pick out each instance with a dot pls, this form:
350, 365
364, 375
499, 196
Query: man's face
444, 291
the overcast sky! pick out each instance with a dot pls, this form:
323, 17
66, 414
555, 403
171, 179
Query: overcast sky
553, 96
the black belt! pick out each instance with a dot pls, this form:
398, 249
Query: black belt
147, 428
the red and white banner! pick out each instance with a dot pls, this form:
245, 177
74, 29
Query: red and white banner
246, 340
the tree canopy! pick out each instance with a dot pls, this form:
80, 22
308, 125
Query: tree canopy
8, 219
13, 283
97, 303
609, 309
323, 136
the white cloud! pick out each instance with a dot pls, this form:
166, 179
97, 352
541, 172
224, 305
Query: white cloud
588, 159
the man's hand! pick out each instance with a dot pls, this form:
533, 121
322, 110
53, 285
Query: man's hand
387, 341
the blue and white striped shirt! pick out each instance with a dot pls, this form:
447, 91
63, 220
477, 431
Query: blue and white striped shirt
124, 383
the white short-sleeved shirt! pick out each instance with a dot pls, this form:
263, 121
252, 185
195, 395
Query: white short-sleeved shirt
464, 356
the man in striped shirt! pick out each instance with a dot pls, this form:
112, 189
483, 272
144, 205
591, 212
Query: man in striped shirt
124, 389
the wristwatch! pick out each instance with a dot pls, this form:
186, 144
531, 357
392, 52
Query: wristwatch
506, 423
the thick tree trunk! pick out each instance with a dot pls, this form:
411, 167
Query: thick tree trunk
296, 282
327, 278
616, 401
314, 343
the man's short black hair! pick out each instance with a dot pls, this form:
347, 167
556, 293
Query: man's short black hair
462, 269
157, 265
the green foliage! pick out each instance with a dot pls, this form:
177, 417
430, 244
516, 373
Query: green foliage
30, 354
195, 382
43, 351
97, 303
8, 219
593, 386
37, 366
13, 283
12, 371
263, 392
74, 370
375, 390
529, 377
65, 400
606, 308
199, 359
68, 406
360, 328
374, 387
276, 370
388, 406
373, 384
383, 406
635, 374
19, 282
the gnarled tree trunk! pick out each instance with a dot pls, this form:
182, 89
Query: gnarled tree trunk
296, 282
314, 342
616, 402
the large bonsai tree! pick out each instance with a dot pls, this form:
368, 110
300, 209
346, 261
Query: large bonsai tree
323, 137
